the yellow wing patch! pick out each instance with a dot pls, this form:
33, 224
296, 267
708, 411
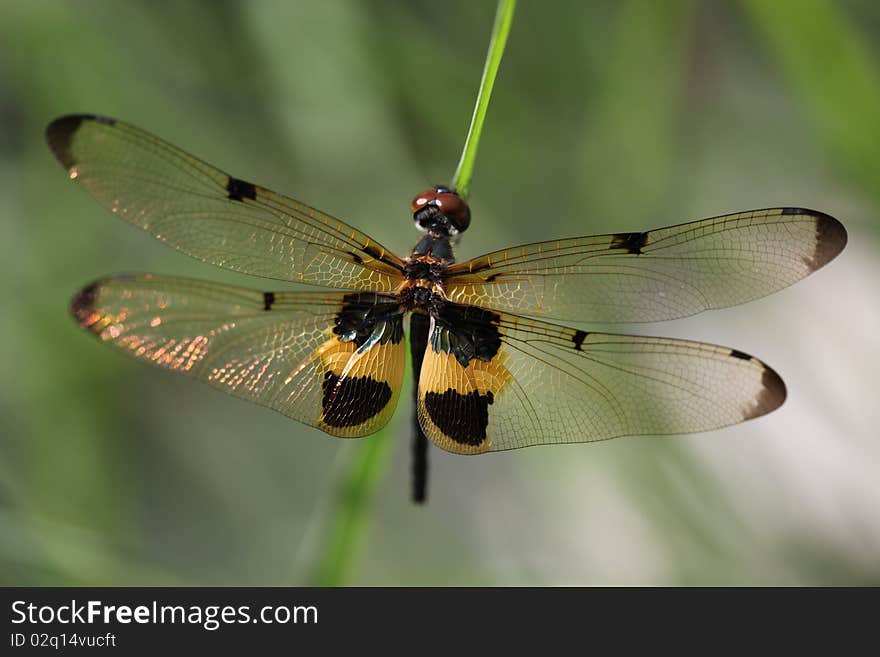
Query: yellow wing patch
360, 387
455, 401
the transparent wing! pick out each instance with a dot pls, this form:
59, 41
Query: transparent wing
212, 216
656, 275
549, 384
331, 360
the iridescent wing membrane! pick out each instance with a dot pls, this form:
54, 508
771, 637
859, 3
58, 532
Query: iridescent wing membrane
656, 275
314, 356
213, 216
490, 380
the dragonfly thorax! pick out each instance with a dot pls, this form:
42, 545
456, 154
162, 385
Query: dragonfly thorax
429, 259
435, 246
422, 295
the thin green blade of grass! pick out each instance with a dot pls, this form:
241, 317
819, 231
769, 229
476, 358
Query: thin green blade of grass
461, 180
353, 506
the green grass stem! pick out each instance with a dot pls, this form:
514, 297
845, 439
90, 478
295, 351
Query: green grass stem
461, 180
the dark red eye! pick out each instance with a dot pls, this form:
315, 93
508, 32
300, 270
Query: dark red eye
455, 209
423, 199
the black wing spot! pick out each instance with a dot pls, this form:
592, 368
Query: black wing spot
632, 242
238, 190
373, 252
268, 300
467, 332
377, 254
491, 277
463, 418
578, 339
356, 258
353, 400
736, 353
362, 312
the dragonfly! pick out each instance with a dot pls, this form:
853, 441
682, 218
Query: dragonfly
491, 372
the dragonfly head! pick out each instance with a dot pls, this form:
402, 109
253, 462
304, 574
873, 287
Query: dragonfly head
441, 210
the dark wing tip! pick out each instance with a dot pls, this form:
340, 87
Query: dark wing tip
60, 132
82, 306
830, 236
830, 239
771, 396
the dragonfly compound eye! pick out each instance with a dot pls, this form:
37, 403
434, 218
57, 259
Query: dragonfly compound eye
427, 207
455, 209
421, 204
423, 199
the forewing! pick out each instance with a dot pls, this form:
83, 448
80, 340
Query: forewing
656, 275
212, 216
546, 384
331, 360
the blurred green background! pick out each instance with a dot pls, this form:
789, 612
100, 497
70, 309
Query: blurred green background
607, 116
